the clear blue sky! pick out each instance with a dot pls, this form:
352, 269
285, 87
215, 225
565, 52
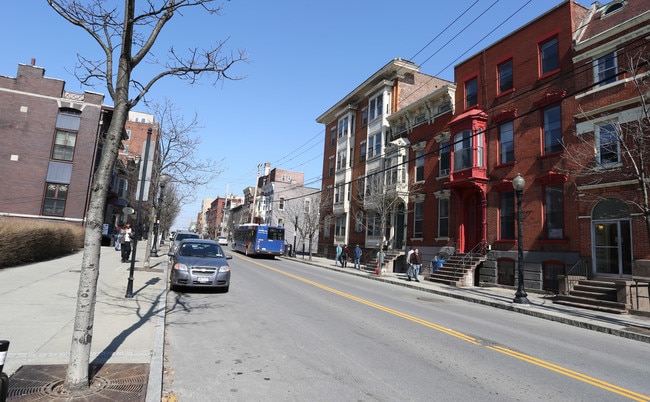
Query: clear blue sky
304, 57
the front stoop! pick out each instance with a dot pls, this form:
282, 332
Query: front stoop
599, 295
456, 273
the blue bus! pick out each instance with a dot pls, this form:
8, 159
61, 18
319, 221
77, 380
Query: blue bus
253, 239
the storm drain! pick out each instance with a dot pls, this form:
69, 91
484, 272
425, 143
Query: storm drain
113, 382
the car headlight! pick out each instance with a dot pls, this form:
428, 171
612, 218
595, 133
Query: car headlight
224, 268
180, 267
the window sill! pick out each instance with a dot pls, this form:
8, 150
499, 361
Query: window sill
505, 165
550, 73
545, 156
504, 93
561, 242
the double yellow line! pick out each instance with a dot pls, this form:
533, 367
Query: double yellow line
521, 356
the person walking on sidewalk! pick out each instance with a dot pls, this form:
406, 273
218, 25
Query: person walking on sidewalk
126, 235
357, 257
416, 263
339, 251
409, 267
344, 256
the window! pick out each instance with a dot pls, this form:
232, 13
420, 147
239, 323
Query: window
471, 92
390, 169
419, 165
505, 76
418, 222
605, 69
343, 127
507, 215
552, 130
549, 56
341, 160
281, 204
376, 106
55, 197
506, 271
328, 224
337, 193
607, 144
332, 137
364, 117
554, 212
361, 182
443, 217
330, 167
463, 150
362, 152
351, 156
506, 142
339, 227
550, 271
373, 223
306, 206
374, 145
64, 144
444, 152
280, 222
358, 222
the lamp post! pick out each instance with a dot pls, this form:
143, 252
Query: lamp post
521, 297
138, 227
156, 226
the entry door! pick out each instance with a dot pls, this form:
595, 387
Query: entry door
471, 222
399, 227
612, 247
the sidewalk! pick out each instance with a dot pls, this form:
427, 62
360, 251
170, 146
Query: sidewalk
541, 305
37, 310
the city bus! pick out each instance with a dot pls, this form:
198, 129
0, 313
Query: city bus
253, 239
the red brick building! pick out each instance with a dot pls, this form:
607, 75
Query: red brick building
48, 145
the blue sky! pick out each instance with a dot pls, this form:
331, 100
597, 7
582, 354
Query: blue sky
304, 56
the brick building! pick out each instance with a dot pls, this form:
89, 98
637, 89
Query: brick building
48, 146
356, 142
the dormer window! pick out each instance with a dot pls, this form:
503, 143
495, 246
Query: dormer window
612, 8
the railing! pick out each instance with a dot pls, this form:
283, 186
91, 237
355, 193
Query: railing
645, 282
479, 249
579, 271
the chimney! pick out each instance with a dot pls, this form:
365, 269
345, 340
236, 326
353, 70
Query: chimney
33, 62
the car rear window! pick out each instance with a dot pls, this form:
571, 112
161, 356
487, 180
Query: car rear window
182, 236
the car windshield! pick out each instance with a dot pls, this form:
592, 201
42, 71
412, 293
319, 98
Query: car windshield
200, 250
182, 236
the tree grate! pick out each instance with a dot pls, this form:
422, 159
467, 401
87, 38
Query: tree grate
110, 382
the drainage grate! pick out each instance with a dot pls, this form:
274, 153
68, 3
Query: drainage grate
114, 382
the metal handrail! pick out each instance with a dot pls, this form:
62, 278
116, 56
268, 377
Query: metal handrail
579, 270
479, 249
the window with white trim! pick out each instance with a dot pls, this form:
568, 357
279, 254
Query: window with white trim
607, 144
419, 165
376, 106
443, 217
418, 219
605, 69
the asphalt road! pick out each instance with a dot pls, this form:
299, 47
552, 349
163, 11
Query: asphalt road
289, 331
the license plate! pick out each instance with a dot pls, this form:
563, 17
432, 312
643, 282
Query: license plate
204, 279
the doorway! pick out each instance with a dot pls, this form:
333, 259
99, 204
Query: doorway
611, 239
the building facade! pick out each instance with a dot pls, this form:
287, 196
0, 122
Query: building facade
49, 140
353, 209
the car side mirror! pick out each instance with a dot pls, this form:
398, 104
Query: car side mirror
170, 254
228, 257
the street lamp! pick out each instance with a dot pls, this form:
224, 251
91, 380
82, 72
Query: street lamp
138, 228
521, 297
162, 182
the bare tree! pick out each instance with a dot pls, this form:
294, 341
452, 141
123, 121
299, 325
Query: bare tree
178, 158
125, 39
617, 151
303, 212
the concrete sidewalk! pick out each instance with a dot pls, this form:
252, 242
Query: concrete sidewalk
37, 309
541, 305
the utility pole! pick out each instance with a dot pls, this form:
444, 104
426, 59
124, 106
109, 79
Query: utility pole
257, 179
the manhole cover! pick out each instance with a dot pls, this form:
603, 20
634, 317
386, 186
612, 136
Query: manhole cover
114, 382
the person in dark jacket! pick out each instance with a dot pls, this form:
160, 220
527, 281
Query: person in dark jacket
416, 264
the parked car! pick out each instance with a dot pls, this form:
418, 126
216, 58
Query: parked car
199, 263
181, 235
222, 240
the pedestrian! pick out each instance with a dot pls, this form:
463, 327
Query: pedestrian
409, 268
344, 256
339, 251
117, 239
357, 257
127, 236
416, 263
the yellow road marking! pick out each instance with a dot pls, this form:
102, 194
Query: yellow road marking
517, 355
